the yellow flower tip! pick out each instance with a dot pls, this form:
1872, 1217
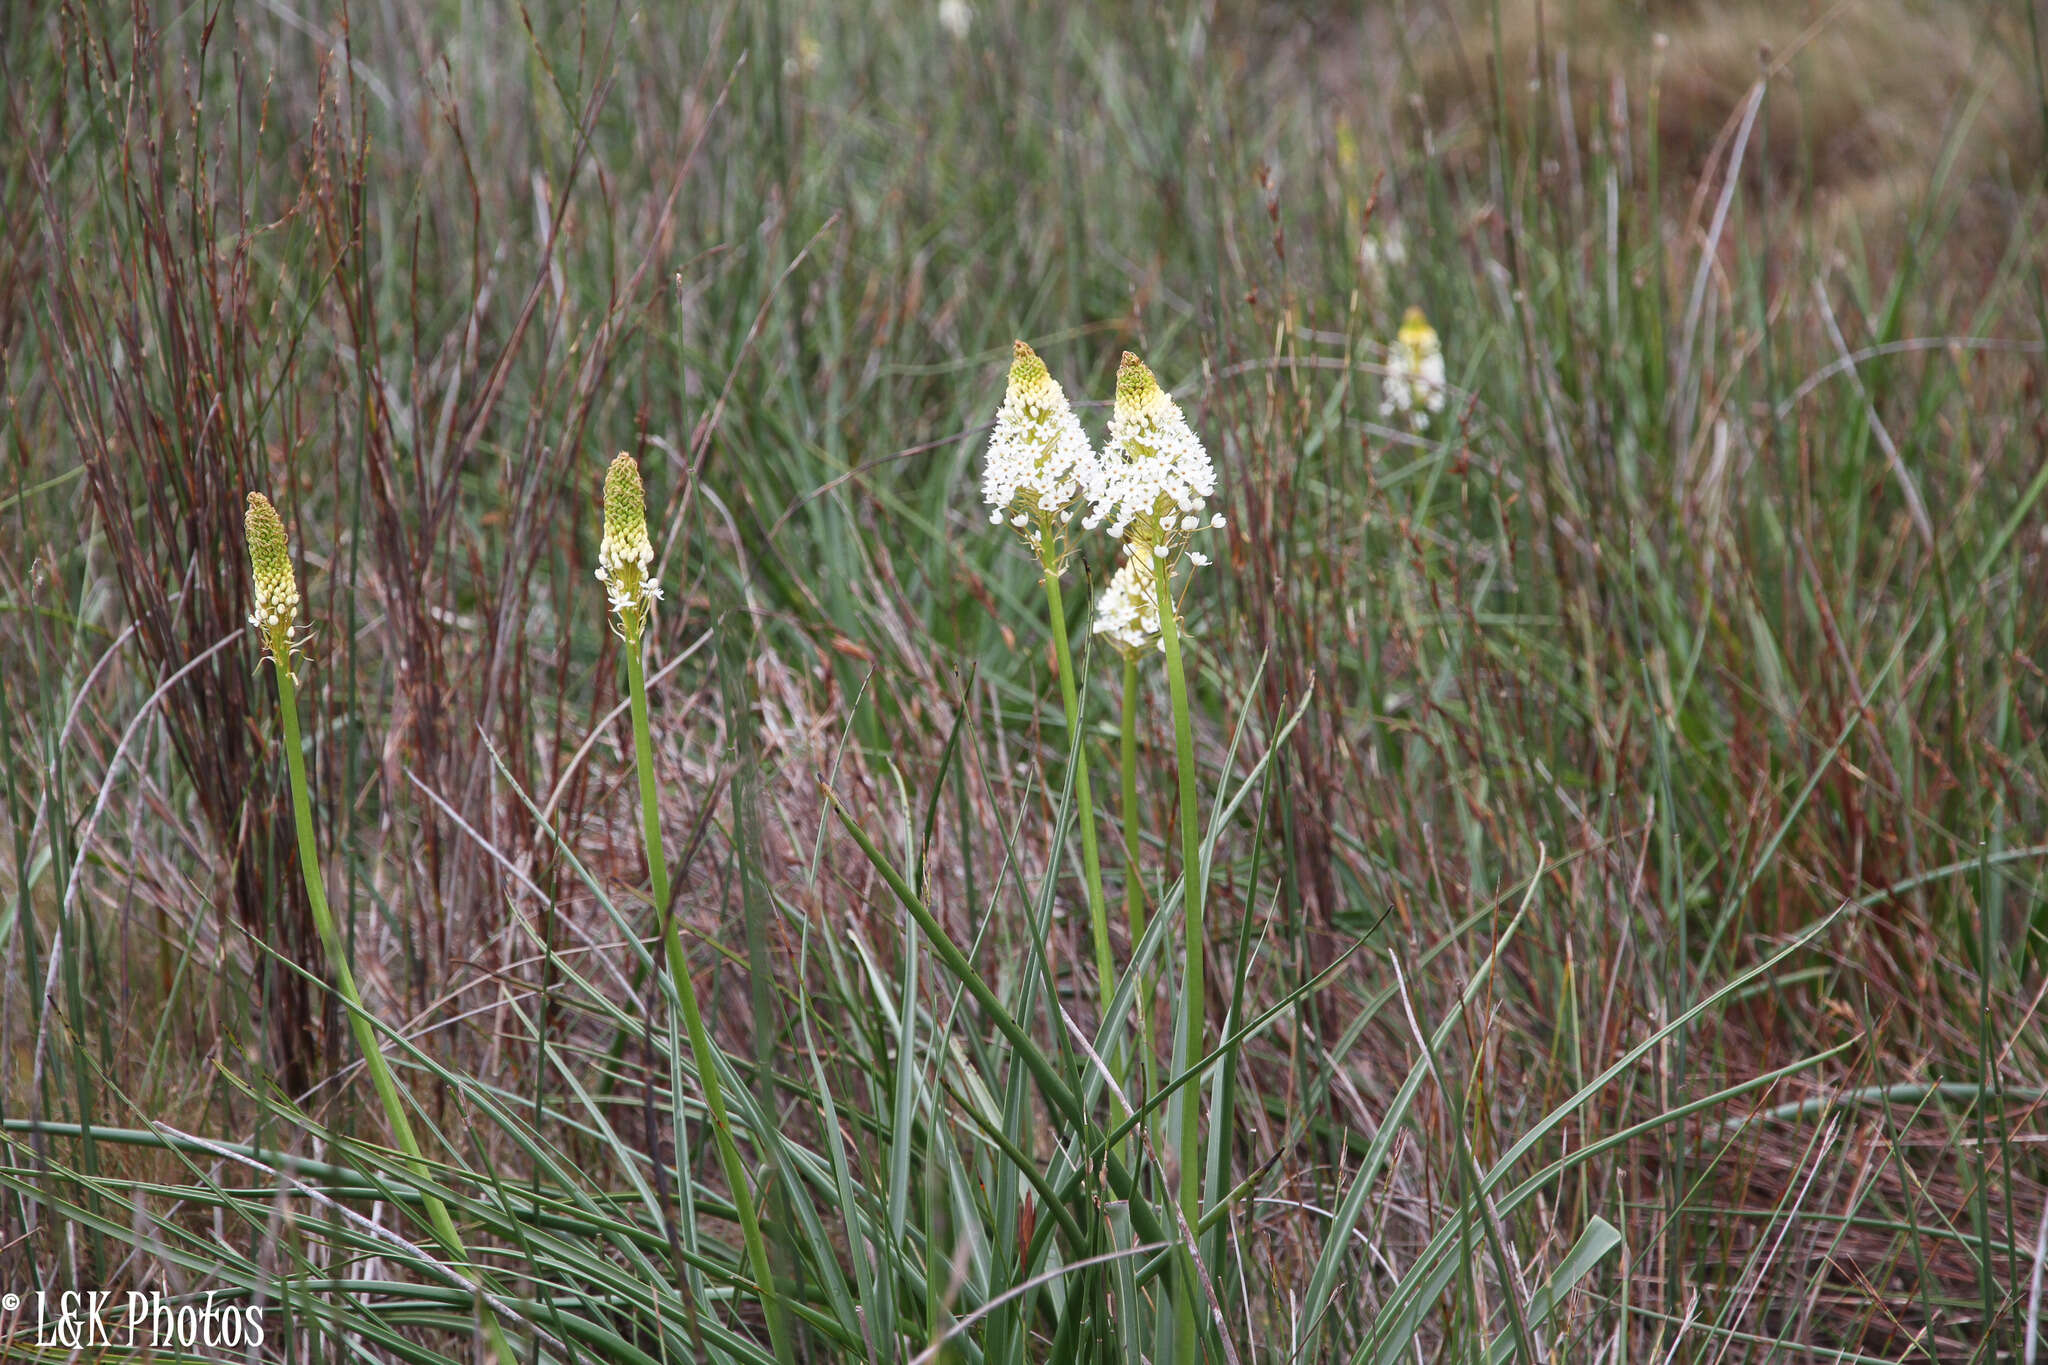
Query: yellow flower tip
1416, 333
1027, 373
270, 571
1134, 382
625, 557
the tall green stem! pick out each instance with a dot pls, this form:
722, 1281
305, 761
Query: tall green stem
1193, 887
1127, 757
1134, 889
344, 980
693, 1019
1084, 800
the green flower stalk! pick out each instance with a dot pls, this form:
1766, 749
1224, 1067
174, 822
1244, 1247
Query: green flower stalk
1039, 467
625, 560
275, 617
1127, 618
1153, 490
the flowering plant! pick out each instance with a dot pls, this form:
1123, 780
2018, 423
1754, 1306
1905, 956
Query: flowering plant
1415, 372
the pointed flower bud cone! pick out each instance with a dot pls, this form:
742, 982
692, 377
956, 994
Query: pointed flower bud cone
625, 557
1135, 383
1416, 335
270, 571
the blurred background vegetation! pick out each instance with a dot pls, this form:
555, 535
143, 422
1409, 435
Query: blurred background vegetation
1711, 607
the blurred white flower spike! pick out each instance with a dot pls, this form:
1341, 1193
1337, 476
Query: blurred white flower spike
1380, 254
957, 18
1415, 372
1155, 481
1040, 464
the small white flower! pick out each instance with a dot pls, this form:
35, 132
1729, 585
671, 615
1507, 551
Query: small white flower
956, 17
1127, 612
1415, 372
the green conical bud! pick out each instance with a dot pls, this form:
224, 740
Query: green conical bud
270, 569
1134, 383
1027, 371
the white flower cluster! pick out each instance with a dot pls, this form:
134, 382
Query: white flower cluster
1127, 613
1155, 479
1150, 487
277, 608
1039, 461
1415, 372
627, 575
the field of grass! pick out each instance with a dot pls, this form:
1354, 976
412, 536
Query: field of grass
1575, 890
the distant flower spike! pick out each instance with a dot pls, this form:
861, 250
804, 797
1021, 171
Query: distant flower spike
1127, 612
276, 586
1415, 372
625, 558
1039, 461
1156, 479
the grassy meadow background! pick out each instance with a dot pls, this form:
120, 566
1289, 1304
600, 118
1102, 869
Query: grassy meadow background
1659, 735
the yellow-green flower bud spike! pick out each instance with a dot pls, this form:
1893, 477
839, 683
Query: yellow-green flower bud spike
270, 570
625, 558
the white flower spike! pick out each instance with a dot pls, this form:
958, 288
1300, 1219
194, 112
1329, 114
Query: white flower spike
1415, 372
1127, 612
1155, 480
1039, 461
